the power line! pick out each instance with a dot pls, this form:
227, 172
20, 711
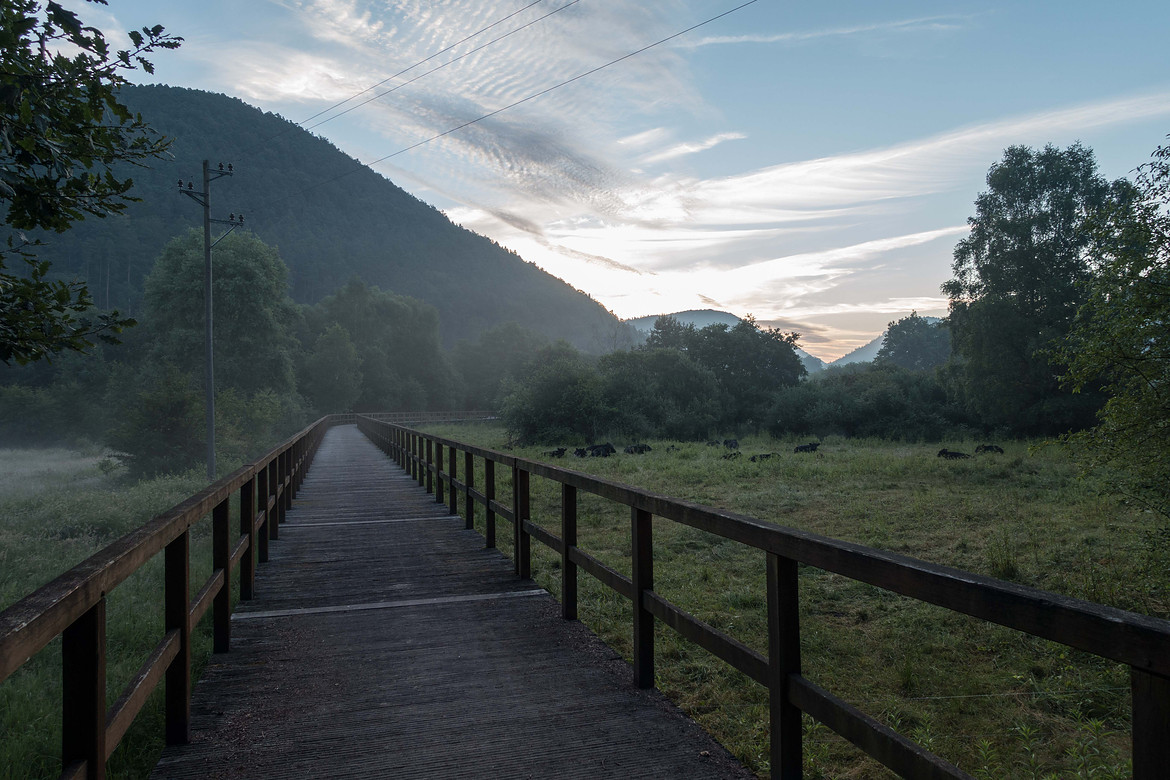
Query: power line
566, 82
432, 70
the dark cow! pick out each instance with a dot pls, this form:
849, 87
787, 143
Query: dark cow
952, 455
580, 452
731, 455
982, 448
763, 456
638, 449
731, 444
601, 450
810, 447
712, 444
559, 452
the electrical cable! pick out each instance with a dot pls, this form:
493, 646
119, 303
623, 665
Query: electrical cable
533, 96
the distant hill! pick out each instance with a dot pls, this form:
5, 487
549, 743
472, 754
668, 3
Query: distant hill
331, 218
867, 352
701, 318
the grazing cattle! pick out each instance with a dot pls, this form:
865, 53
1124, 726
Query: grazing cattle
952, 455
731, 455
982, 448
672, 448
580, 452
559, 452
763, 456
712, 444
637, 449
810, 447
731, 444
601, 450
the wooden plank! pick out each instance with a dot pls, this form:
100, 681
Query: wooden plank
568, 566
786, 749
543, 536
642, 582
598, 570
221, 555
206, 596
904, 757
721, 645
130, 703
1151, 725
177, 583
83, 690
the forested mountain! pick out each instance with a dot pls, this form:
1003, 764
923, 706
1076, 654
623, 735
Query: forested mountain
331, 219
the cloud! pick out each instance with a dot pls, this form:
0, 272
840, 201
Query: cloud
944, 23
681, 150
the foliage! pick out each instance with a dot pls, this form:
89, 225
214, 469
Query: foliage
62, 133
495, 358
331, 376
252, 312
397, 341
658, 392
160, 428
558, 399
881, 400
749, 363
1120, 339
1017, 286
915, 344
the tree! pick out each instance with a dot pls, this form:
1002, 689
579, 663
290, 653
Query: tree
1120, 339
498, 356
331, 376
253, 313
63, 130
916, 344
1018, 283
557, 400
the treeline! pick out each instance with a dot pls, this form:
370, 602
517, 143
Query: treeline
277, 364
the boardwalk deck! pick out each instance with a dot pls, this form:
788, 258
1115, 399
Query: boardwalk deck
385, 641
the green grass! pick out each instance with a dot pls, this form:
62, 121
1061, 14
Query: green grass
56, 509
996, 702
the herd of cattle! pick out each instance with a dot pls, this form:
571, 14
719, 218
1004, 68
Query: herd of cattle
732, 447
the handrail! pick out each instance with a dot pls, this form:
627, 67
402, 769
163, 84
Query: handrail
1139, 641
73, 605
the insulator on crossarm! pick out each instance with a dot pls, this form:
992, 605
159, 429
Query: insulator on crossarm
180, 184
229, 167
221, 166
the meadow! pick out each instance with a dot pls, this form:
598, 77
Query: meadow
58, 507
995, 702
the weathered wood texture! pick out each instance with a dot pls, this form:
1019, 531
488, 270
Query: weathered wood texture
385, 640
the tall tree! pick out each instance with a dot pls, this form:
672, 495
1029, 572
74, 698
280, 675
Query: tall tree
1017, 285
253, 313
63, 130
1120, 339
915, 344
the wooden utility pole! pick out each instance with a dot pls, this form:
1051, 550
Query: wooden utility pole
204, 199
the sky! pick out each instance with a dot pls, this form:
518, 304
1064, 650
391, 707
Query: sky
810, 164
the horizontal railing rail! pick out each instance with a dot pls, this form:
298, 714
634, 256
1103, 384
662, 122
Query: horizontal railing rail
73, 606
1138, 641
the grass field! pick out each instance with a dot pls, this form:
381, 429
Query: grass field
993, 701
57, 507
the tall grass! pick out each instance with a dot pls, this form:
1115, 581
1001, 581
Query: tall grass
995, 702
57, 508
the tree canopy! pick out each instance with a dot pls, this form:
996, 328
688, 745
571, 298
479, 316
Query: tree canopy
916, 344
1120, 338
62, 133
1018, 281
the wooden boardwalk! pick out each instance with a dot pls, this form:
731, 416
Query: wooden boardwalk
385, 641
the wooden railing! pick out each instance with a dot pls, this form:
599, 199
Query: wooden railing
1140, 642
73, 606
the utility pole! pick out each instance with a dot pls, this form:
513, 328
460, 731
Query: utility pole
204, 199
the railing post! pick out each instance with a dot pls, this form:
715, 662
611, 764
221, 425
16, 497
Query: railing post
569, 537
439, 479
221, 554
83, 680
641, 529
468, 484
248, 529
285, 483
177, 583
272, 519
262, 506
521, 541
489, 491
453, 474
1151, 724
430, 475
783, 663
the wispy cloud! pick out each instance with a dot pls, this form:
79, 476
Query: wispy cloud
682, 150
944, 23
